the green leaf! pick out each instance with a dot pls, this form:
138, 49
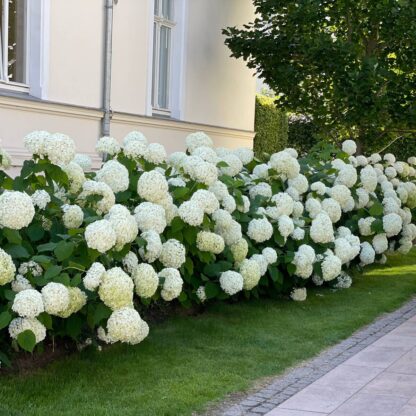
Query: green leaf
13, 236
74, 326
35, 232
212, 290
101, 312
180, 193
45, 319
17, 252
5, 318
27, 340
46, 247
42, 259
63, 250
177, 225
52, 272
376, 209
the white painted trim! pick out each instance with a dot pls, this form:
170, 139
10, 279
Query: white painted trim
150, 21
178, 59
39, 45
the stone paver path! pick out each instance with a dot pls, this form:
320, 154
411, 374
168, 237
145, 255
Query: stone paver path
372, 373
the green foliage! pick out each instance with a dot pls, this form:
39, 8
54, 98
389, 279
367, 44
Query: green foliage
302, 133
270, 127
348, 64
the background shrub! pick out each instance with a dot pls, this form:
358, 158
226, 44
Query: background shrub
271, 127
302, 133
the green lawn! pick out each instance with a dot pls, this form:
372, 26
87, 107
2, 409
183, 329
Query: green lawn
187, 362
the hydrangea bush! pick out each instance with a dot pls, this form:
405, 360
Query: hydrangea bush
84, 252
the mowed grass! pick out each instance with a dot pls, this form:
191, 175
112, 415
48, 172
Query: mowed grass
188, 362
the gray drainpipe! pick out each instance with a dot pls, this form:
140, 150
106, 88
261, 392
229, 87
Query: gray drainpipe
108, 27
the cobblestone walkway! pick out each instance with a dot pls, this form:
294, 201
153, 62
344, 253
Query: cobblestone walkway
372, 373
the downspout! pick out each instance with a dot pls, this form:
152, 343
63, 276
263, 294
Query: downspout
108, 28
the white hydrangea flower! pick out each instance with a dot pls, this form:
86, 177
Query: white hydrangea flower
173, 254
245, 154
300, 183
285, 226
298, 294
269, 254
298, 209
19, 325
150, 217
125, 325
135, 149
260, 230
245, 207
59, 148
284, 164
319, 188
239, 250
261, 171
77, 300
219, 189
16, 210
34, 142
31, 267
40, 199
73, 216
349, 147
361, 160
347, 176
321, 230
344, 281
367, 253
234, 165
191, 213
115, 175
75, 175
116, 289
7, 268
155, 153
331, 267
304, 260
94, 276
20, 283
298, 234
84, 161
363, 198
250, 270
342, 195
229, 204
210, 242
134, 136
152, 186
364, 225
153, 247
28, 303
172, 283
332, 208
107, 146
55, 298
231, 282
124, 224
102, 189
146, 280
201, 294
263, 189
100, 236
392, 224
313, 207
284, 204
380, 243
130, 262
198, 139
389, 158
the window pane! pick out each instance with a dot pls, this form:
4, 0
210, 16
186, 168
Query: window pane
164, 52
154, 80
156, 7
167, 9
17, 40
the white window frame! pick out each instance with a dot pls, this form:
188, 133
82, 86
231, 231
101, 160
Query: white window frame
5, 83
159, 22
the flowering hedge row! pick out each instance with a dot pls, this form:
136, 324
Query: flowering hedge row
83, 252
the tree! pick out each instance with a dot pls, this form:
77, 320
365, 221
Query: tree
348, 64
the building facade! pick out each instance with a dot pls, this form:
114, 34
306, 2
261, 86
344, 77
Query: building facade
157, 66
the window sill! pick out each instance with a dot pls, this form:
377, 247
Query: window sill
158, 112
14, 87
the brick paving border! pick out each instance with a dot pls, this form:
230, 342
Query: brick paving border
281, 388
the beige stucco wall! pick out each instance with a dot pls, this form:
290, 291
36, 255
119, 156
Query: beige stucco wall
217, 91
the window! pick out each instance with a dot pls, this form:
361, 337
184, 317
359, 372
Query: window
162, 55
13, 25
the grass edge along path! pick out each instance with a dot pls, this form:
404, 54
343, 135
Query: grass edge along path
188, 362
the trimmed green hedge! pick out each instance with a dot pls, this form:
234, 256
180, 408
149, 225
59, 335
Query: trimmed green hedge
271, 127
